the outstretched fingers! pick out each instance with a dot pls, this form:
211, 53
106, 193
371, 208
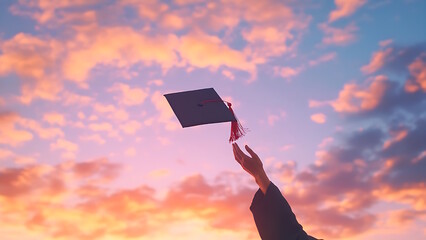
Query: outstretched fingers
236, 155
251, 152
240, 153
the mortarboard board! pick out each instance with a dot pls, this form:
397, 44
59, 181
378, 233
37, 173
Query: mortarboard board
204, 106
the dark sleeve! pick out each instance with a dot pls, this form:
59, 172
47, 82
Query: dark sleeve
274, 217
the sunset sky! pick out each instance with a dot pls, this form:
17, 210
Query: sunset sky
333, 94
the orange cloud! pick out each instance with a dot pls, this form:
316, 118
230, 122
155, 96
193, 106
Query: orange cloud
42, 132
119, 47
68, 147
129, 95
45, 11
166, 115
150, 10
160, 173
377, 61
111, 112
46, 63
70, 98
172, 21
345, 8
338, 36
418, 72
413, 195
54, 118
99, 127
4, 153
35, 61
352, 98
319, 118
130, 127
15, 158
47, 194
266, 42
156, 82
9, 134
195, 47
396, 136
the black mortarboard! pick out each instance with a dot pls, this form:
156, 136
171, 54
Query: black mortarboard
203, 106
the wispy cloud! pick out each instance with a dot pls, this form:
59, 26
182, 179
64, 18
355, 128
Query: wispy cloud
338, 36
345, 8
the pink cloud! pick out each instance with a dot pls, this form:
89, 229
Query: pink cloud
338, 36
193, 198
151, 10
385, 43
159, 173
172, 21
54, 118
156, 82
70, 98
315, 103
377, 61
195, 46
112, 112
354, 98
228, 74
165, 113
123, 47
287, 72
42, 132
129, 95
345, 8
104, 126
324, 58
4, 153
69, 148
287, 147
118, 47
274, 118
418, 76
94, 138
396, 136
325, 142
266, 42
34, 60
8, 132
130, 127
44, 11
319, 118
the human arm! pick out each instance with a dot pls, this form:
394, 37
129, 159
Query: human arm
272, 213
253, 165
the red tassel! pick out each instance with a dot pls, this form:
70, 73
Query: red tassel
237, 130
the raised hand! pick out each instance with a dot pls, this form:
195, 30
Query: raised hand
252, 164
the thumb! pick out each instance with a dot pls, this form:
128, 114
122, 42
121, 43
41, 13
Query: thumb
251, 152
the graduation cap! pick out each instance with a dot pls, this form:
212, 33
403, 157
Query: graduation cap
204, 106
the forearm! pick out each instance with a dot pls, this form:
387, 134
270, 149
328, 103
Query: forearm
262, 181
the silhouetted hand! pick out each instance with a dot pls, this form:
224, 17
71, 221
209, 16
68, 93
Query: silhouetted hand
253, 165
